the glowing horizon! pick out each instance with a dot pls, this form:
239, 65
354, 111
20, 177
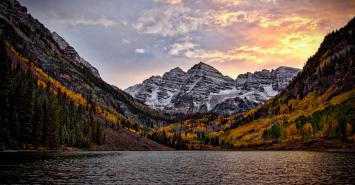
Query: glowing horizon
129, 42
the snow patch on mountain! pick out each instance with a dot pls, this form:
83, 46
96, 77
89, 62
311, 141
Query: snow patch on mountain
204, 89
270, 91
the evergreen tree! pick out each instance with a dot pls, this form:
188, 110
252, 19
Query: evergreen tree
33, 115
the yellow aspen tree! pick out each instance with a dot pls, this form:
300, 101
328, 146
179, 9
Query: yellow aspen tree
291, 131
307, 129
348, 130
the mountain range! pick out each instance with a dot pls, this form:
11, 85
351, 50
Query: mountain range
204, 89
315, 111
52, 98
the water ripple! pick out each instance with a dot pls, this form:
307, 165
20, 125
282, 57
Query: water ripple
179, 167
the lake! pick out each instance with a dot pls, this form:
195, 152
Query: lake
178, 167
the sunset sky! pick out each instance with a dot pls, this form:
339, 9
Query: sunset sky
131, 40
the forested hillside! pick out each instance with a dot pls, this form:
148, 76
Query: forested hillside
50, 99
319, 102
315, 110
34, 42
32, 117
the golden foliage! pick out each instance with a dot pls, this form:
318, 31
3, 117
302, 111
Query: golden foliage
342, 97
291, 111
167, 128
189, 136
348, 129
220, 120
307, 129
20, 57
255, 126
44, 80
291, 131
106, 114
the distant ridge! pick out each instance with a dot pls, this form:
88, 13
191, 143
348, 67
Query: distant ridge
204, 89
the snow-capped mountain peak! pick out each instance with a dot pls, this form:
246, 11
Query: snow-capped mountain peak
202, 67
204, 89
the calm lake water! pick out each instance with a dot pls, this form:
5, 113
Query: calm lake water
179, 167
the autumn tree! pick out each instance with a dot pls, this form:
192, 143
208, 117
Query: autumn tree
291, 131
220, 120
349, 130
307, 130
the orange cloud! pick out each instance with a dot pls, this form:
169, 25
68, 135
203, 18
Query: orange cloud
229, 18
173, 2
291, 47
281, 40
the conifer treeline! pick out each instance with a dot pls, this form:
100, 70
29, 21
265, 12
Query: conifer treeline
175, 141
32, 117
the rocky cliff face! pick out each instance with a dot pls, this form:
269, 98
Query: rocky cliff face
72, 55
204, 89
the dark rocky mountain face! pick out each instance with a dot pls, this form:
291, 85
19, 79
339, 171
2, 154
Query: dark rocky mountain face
71, 54
204, 89
331, 66
57, 59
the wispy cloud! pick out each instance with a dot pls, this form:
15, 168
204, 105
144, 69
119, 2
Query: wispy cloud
140, 50
169, 21
228, 18
173, 2
177, 48
150, 37
88, 22
126, 41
